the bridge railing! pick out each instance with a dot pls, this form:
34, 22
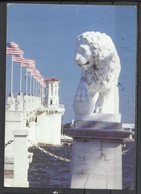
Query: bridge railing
26, 103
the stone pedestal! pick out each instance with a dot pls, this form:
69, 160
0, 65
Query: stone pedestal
14, 120
96, 154
20, 159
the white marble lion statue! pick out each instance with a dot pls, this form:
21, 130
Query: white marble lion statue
97, 91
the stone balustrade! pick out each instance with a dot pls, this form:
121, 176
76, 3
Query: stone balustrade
27, 103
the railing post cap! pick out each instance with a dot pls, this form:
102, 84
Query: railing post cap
20, 132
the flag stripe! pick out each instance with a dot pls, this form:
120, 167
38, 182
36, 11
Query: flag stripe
31, 63
24, 65
14, 52
30, 70
19, 59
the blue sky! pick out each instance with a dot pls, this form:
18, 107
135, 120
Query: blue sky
48, 33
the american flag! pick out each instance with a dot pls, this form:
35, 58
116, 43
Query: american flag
36, 73
30, 70
31, 63
44, 85
13, 49
37, 78
42, 82
25, 64
33, 72
42, 79
18, 59
12, 45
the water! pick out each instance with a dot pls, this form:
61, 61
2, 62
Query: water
48, 172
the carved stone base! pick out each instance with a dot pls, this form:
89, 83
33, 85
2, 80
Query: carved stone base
100, 117
96, 155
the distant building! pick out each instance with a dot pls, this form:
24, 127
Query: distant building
51, 92
49, 123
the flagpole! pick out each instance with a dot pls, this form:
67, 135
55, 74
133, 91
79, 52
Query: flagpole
26, 80
36, 87
21, 79
30, 84
42, 94
39, 89
33, 84
11, 94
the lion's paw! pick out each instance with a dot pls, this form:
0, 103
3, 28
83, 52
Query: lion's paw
82, 94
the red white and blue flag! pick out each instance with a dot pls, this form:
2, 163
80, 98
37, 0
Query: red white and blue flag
31, 63
25, 64
36, 72
42, 81
12, 45
18, 59
13, 49
30, 70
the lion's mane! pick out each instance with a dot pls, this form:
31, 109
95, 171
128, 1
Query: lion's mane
106, 64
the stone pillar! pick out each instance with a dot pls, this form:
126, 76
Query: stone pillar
26, 102
30, 102
20, 159
11, 103
49, 90
33, 102
53, 89
97, 154
57, 88
20, 102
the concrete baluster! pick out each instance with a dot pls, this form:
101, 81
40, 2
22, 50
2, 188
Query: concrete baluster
20, 102
20, 159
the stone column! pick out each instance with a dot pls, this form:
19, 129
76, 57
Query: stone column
20, 102
53, 89
97, 154
33, 102
11, 103
26, 102
57, 88
20, 159
49, 89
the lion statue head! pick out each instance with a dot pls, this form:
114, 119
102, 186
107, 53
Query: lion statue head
96, 55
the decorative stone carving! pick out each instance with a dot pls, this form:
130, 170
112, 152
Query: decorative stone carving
97, 91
